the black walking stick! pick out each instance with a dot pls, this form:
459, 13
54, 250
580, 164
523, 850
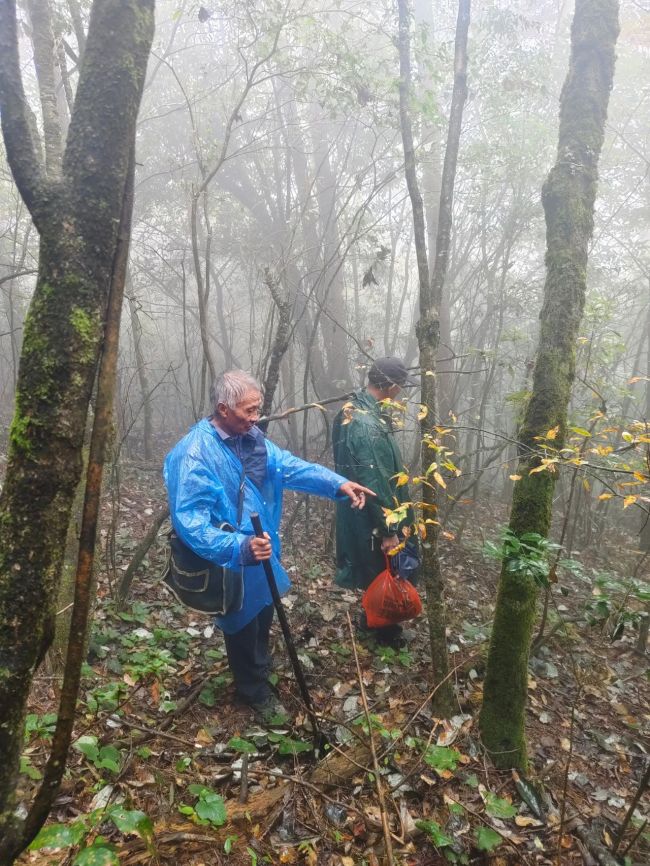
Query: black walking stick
319, 739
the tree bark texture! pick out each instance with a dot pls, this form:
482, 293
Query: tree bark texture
281, 341
428, 327
83, 593
78, 218
143, 379
568, 199
43, 41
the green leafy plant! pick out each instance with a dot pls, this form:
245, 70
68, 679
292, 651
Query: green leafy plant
210, 691
616, 603
149, 661
497, 807
487, 839
138, 612
28, 769
230, 841
96, 851
525, 555
377, 725
341, 650
39, 727
106, 697
289, 745
209, 808
392, 656
102, 757
238, 744
442, 758
435, 833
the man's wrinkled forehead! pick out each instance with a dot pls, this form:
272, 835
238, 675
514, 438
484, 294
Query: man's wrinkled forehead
250, 399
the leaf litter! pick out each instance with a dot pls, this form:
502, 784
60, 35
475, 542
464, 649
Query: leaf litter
173, 734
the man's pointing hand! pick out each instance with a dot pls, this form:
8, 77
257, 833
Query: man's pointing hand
356, 493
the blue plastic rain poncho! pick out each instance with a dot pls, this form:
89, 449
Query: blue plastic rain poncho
203, 475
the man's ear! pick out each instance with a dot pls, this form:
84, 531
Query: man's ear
221, 410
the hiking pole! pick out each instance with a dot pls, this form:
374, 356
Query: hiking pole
288, 639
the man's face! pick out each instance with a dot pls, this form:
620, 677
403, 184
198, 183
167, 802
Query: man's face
245, 415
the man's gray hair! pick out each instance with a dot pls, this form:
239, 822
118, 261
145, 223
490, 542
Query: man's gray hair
231, 388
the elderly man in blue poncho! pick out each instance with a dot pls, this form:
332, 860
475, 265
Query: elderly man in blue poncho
203, 474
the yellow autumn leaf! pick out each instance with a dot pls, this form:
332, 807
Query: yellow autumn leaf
586, 485
640, 477
629, 500
537, 469
515, 477
439, 479
424, 411
401, 479
552, 433
604, 496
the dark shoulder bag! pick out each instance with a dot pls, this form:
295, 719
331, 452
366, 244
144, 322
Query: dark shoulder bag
202, 585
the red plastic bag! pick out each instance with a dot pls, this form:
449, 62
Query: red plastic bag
389, 600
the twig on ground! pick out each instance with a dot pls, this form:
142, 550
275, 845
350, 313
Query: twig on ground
375, 763
643, 784
243, 788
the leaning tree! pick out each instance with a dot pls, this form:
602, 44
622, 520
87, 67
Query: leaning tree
77, 208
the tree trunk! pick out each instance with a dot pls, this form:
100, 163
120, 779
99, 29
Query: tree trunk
78, 218
428, 327
43, 41
143, 380
281, 340
644, 534
568, 198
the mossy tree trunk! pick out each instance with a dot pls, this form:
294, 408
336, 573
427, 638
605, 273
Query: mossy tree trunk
77, 216
568, 198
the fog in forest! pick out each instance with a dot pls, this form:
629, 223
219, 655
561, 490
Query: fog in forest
270, 173
275, 229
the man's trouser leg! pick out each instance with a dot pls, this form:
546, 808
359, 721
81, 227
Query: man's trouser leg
249, 659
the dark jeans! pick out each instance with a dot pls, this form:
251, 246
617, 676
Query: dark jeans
249, 658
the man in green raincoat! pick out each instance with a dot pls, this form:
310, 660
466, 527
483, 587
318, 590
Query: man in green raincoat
365, 451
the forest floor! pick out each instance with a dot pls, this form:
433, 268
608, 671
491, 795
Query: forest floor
157, 730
